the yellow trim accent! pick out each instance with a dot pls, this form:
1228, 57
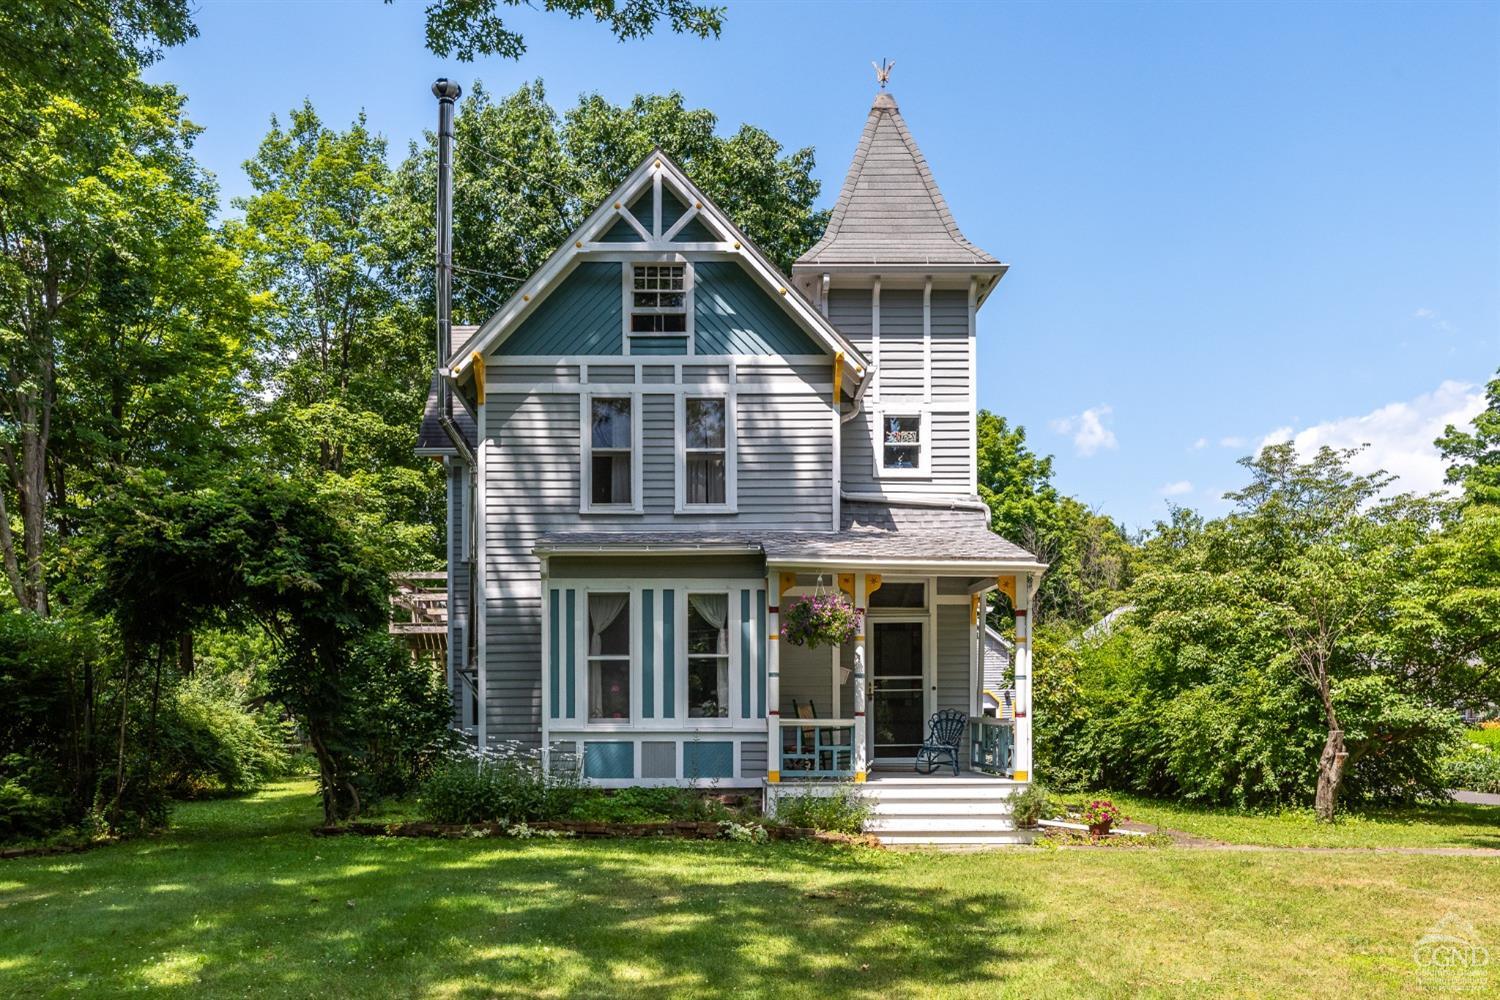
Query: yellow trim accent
774, 777
788, 581
859, 638
846, 584
872, 584
774, 636
838, 376
973, 609
1020, 775
478, 362
859, 777
1007, 586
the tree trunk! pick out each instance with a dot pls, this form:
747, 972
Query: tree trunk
185, 653
1330, 775
114, 808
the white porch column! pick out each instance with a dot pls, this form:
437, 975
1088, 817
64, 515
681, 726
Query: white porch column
861, 752
773, 678
1024, 592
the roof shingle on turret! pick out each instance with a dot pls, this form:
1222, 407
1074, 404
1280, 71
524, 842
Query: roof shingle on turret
890, 210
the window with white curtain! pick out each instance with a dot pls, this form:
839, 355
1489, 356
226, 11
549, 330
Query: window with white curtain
609, 657
708, 656
611, 452
705, 456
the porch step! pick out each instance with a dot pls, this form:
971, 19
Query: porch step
944, 824
932, 792
946, 807
992, 839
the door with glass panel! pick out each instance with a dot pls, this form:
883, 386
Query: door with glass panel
897, 707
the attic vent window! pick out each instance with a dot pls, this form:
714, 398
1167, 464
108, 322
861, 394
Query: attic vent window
659, 299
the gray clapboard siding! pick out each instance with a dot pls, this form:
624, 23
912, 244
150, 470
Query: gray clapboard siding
954, 636
458, 586
901, 359
658, 466
951, 377
752, 759
849, 310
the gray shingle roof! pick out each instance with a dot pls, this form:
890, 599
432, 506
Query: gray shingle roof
430, 436
942, 536
890, 210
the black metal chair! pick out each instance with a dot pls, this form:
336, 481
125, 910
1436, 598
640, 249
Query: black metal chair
944, 732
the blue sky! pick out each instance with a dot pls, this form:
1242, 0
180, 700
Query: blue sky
1226, 223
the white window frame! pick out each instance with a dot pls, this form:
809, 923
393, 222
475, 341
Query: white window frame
632, 657
731, 657
731, 483
924, 451
627, 298
586, 454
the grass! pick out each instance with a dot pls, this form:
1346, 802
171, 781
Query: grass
238, 899
1436, 825
1485, 736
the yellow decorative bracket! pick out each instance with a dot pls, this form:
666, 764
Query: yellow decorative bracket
872, 584
1007, 586
478, 362
974, 609
846, 584
838, 377
788, 581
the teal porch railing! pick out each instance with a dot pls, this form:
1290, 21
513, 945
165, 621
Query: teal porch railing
992, 745
817, 748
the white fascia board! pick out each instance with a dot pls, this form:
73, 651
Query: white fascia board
526, 298
566, 549
916, 567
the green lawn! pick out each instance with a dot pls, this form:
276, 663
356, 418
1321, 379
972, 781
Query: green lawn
1447, 825
1485, 737
238, 899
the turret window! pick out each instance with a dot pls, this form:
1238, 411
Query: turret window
902, 442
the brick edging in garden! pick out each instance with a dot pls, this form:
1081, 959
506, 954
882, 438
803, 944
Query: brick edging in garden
681, 830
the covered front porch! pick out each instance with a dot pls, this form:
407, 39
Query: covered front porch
860, 712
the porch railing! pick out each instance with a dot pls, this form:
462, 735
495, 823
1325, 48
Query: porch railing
817, 748
992, 745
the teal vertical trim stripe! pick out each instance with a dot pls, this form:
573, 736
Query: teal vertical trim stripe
745, 698
648, 640
760, 654
555, 671
572, 705
668, 654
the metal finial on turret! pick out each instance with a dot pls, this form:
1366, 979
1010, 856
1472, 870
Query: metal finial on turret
883, 71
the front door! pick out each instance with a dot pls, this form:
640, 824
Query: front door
897, 708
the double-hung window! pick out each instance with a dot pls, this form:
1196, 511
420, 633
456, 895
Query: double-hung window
901, 442
708, 656
658, 299
609, 657
706, 457
611, 453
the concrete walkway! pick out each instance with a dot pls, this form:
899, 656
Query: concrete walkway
1475, 798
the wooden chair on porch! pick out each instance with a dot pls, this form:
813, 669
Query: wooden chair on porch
944, 732
804, 755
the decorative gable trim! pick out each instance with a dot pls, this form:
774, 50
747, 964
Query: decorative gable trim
589, 240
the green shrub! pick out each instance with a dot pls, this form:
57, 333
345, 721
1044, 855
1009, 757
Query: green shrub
1487, 735
1473, 768
647, 805
1032, 804
208, 741
400, 717
844, 811
509, 787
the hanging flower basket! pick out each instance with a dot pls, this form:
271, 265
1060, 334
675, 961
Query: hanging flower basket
820, 620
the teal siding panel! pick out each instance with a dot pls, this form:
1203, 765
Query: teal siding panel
555, 659
708, 760
760, 652
732, 315
671, 210
658, 345
642, 208
648, 639
570, 710
745, 698
621, 232
580, 316
668, 654
609, 759
695, 232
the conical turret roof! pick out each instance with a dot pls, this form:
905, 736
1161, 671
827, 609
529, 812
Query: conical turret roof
890, 210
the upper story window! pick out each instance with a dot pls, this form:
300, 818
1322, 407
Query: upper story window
609, 657
610, 452
658, 298
705, 465
902, 442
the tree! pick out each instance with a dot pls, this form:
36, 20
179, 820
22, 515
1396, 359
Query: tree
341, 365
470, 28
1475, 455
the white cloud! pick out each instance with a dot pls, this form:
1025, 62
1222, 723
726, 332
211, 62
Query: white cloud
1177, 489
1233, 441
1199, 444
1088, 431
1434, 317
1399, 435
